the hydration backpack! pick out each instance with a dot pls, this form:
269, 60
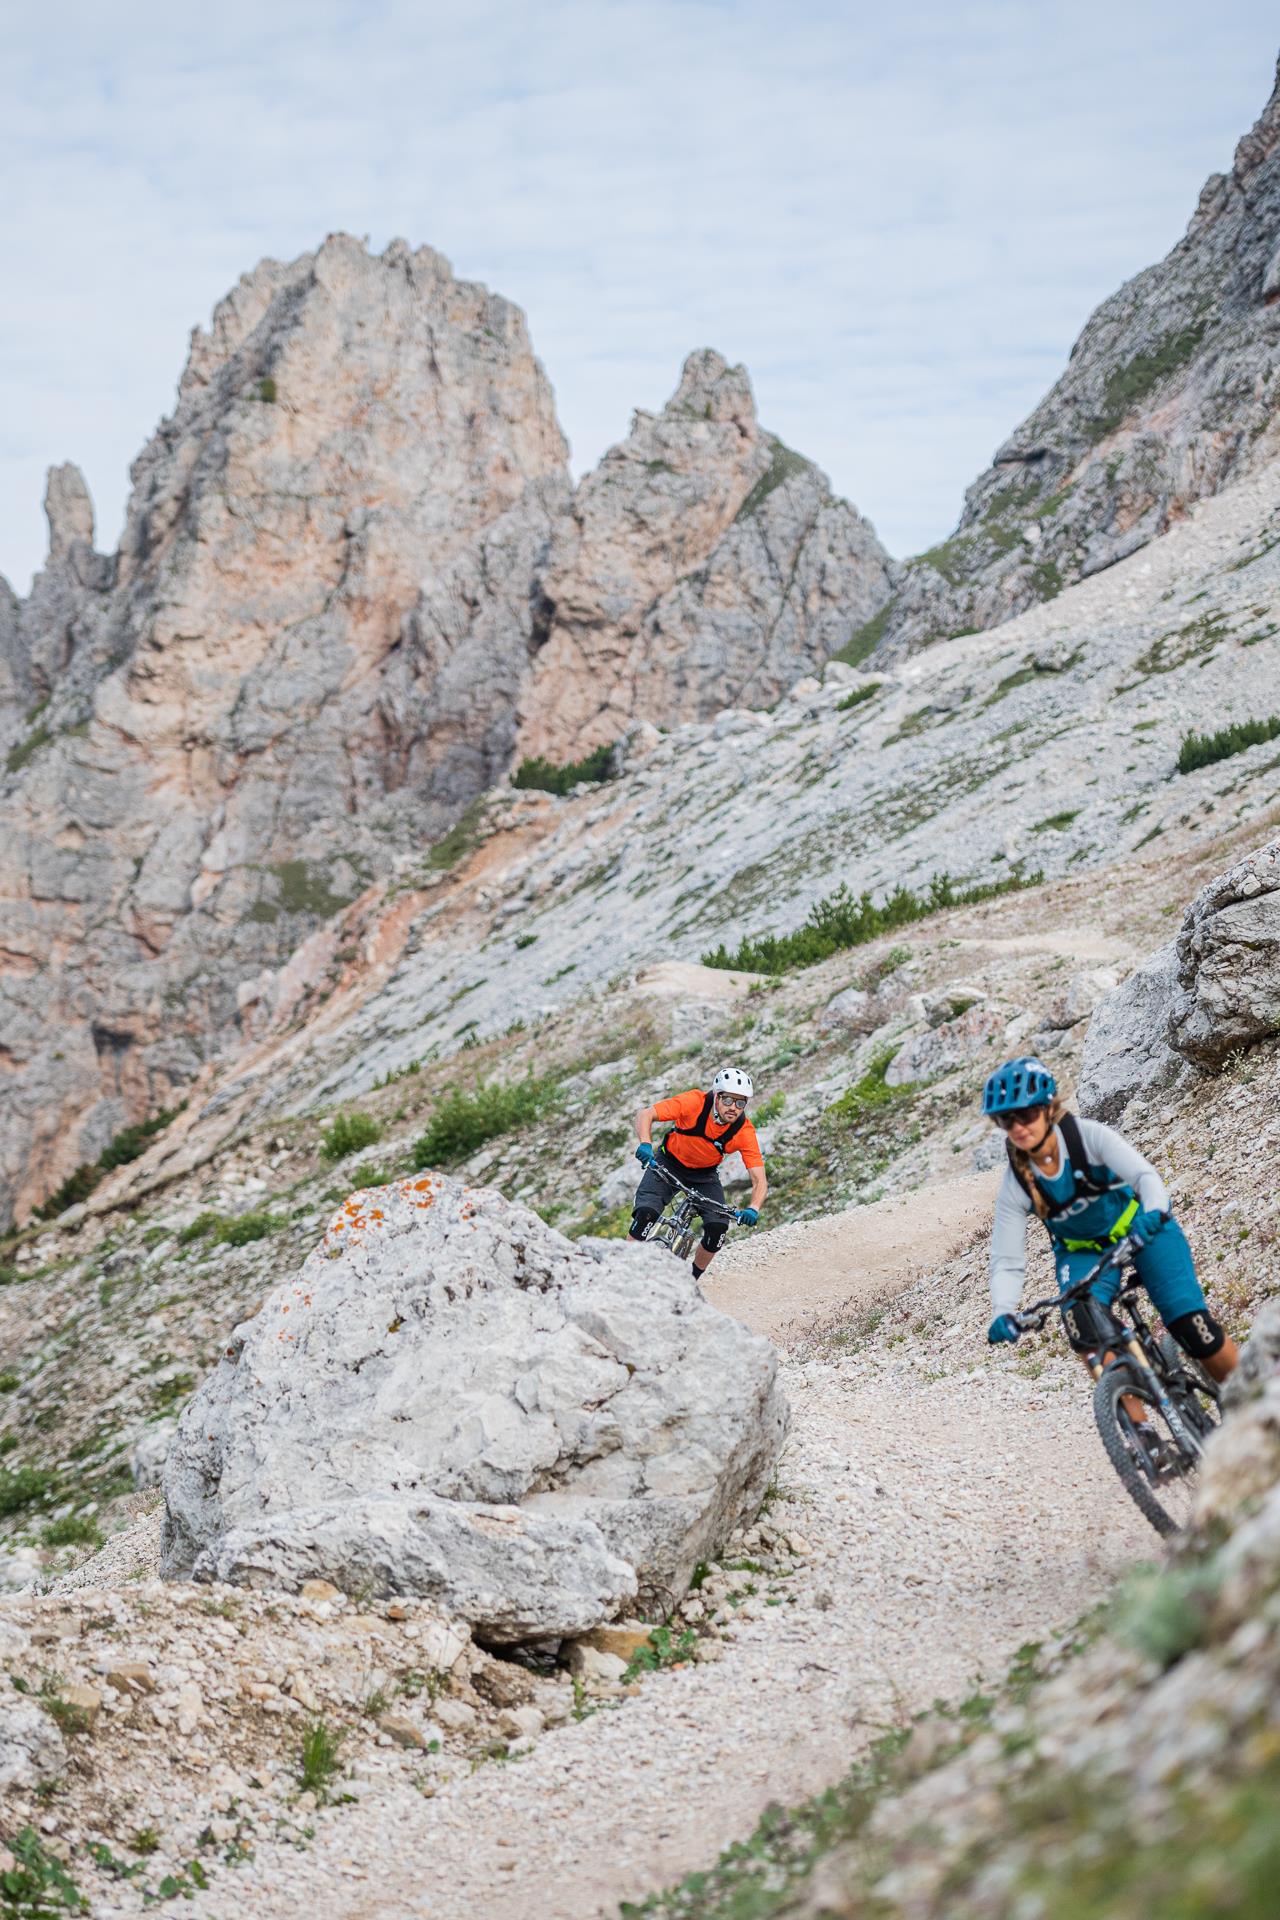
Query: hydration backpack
698, 1131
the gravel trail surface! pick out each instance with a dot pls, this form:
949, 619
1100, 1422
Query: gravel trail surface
951, 1507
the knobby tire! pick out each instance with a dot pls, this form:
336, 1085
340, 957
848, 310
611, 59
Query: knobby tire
1113, 1426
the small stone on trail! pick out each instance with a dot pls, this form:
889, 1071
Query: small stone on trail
86, 1701
399, 1727
319, 1590
620, 1637
587, 1663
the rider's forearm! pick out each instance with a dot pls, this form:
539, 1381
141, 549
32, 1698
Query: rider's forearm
759, 1187
644, 1125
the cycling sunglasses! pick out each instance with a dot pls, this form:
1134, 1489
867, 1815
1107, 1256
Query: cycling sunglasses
1018, 1117
732, 1099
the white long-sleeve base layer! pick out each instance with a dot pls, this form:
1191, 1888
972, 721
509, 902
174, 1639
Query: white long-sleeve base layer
1014, 1210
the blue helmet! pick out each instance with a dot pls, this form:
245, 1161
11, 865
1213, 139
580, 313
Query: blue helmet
1018, 1083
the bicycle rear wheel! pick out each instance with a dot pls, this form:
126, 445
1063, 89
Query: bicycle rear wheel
1161, 1487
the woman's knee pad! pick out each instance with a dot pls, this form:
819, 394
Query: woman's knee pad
713, 1233
642, 1223
1198, 1334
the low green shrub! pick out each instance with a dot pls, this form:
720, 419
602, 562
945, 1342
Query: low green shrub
23, 1486
464, 1121
844, 919
871, 1091
37, 1886
73, 1530
858, 696
1204, 749
768, 1110
236, 1232
129, 1144
318, 1757
349, 1133
546, 777
9, 1383
663, 1648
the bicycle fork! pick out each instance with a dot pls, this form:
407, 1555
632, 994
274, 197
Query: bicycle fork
1177, 1426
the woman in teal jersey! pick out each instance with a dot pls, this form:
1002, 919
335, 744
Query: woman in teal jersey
1091, 1188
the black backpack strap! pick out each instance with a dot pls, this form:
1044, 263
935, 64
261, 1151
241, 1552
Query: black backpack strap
1016, 1170
1077, 1153
699, 1128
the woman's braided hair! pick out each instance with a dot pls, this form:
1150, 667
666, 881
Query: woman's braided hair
1022, 1159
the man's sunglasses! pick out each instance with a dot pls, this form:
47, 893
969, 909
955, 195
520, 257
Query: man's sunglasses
1017, 1118
732, 1099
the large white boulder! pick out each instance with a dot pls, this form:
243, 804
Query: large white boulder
1126, 1051
452, 1399
1229, 962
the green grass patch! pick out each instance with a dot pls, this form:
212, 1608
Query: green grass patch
73, 1530
663, 1648
37, 1886
858, 696
268, 392
349, 1133
25, 750
844, 919
127, 1145
546, 777
1129, 385
949, 558
460, 840
1055, 822
1205, 749
783, 465
868, 1093
767, 1110
464, 1121
865, 639
230, 1232
9, 1383
22, 1487
318, 1757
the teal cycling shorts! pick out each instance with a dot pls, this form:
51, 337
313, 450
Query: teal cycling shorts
1165, 1268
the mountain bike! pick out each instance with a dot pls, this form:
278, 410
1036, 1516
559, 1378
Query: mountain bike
1156, 1458
680, 1224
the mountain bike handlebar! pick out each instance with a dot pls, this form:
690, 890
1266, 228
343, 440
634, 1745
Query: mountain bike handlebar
703, 1199
1032, 1318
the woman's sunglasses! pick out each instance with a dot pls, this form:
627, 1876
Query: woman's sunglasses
1018, 1118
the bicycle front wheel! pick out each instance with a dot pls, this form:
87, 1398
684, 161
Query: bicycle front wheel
1153, 1467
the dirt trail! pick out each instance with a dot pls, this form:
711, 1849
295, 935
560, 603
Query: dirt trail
772, 1281
954, 1508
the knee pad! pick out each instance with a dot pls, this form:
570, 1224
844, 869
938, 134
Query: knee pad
713, 1233
1198, 1333
642, 1223
1089, 1326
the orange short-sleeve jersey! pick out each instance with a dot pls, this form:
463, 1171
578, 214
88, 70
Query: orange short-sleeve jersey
683, 1110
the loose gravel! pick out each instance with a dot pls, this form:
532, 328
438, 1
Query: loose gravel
950, 1506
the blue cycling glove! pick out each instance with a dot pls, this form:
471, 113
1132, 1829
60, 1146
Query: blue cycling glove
748, 1216
645, 1154
1003, 1327
1146, 1226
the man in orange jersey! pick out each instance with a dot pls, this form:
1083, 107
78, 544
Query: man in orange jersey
705, 1127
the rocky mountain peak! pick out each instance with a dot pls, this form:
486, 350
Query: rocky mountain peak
68, 509
1168, 396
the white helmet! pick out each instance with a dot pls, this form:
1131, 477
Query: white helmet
732, 1080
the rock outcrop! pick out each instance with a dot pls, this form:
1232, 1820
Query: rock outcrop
452, 1400
1170, 393
216, 744
1212, 991
703, 565
1228, 950
328, 615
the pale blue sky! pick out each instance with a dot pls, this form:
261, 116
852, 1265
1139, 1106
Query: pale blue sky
898, 224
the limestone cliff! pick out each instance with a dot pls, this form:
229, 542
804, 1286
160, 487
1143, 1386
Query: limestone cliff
205, 748
702, 565
352, 566
1170, 393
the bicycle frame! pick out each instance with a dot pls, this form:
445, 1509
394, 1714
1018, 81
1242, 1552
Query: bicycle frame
679, 1225
1130, 1348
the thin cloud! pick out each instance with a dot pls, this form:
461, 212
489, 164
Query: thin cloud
898, 225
